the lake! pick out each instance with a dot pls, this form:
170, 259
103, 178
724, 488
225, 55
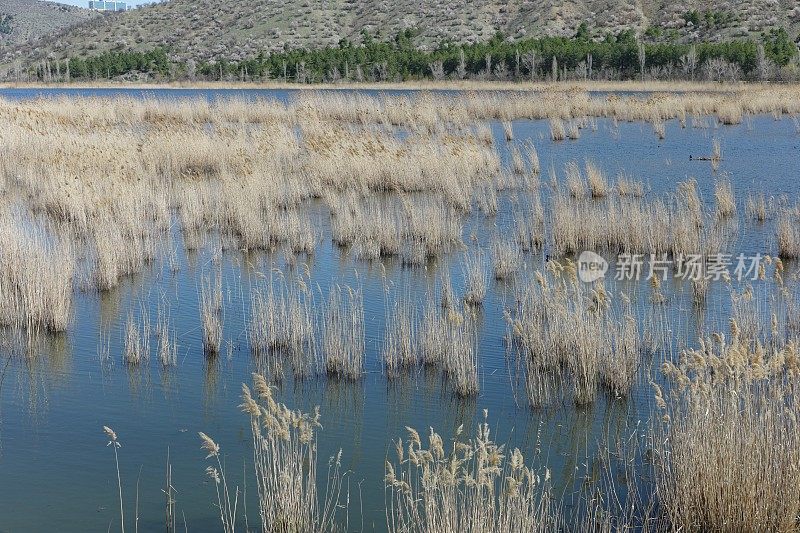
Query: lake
56, 471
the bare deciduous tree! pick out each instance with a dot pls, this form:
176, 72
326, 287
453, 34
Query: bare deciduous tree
461, 70
437, 70
381, 71
529, 61
501, 71
689, 62
642, 57
300, 72
764, 66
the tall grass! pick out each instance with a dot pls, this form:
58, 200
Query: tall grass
467, 485
625, 186
432, 334
569, 333
475, 282
725, 199
282, 325
400, 343
529, 222
598, 186
729, 436
36, 278
167, 343
506, 259
757, 207
285, 464
134, 349
460, 352
211, 313
343, 333
788, 236
557, 130
534, 166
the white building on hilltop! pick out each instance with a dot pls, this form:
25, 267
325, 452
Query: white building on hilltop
102, 5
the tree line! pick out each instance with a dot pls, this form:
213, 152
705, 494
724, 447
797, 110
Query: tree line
773, 56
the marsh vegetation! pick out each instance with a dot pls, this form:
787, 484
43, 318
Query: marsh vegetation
425, 246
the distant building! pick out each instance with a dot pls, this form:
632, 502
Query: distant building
102, 5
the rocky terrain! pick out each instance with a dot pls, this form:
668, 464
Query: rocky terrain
206, 29
22, 21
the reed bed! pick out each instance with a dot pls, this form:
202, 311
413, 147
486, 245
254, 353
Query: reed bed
413, 228
725, 199
569, 335
432, 331
788, 236
343, 333
135, 342
475, 278
729, 106
506, 259
529, 222
94, 188
211, 313
400, 350
283, 326
626, 186
36, 278
465, 485
757, 207
679, 224
107, 178
534, 165
598, 186
558, 131
443, 337
460, 352
167, 342
285, 464
729, 436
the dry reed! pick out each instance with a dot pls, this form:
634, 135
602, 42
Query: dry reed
470, 485
282, 326
400, 350
475, 283
725, 199
569, 333
343, 333
506, 258
729, 436
211, 313
285, 463
757, 207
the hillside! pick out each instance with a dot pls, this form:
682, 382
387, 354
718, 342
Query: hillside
210, 29
23, 20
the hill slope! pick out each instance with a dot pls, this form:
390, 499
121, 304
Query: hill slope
206, 29
23, 20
